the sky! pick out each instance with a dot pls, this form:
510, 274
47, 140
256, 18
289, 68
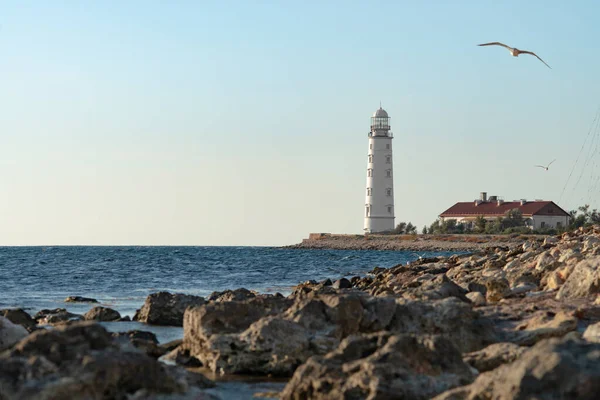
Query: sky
245, 123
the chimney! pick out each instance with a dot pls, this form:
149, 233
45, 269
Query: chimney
523, 201
493, 198
483, 196
477, 202
500, 201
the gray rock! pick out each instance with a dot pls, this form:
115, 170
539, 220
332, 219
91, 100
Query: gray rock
81, 361
164, 308
102, 314
20, 317
381, 366
342, 284
565, 369
55, 316
583, 281
10, 333
232, 295
80, 299
476, 298
592, 333
493, 356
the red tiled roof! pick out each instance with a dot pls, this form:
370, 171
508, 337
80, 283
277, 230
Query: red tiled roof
492, 208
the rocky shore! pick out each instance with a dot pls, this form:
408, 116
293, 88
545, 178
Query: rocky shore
407, 242
515, 321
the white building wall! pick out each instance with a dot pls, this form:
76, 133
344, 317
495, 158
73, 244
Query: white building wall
549, 221
379, 204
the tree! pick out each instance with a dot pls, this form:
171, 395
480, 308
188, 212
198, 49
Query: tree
400, 228
424, 230
410, 229
513, 218
479, 224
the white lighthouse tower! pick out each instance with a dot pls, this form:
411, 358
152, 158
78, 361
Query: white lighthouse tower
379, 206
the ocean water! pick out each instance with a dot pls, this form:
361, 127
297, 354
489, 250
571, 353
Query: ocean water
121, 277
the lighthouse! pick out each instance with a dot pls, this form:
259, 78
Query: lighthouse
379, 204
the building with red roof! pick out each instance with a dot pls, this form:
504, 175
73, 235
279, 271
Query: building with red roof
537, 214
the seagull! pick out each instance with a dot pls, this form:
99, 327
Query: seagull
545, 167
514, 51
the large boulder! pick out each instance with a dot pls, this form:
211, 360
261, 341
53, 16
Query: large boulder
81, 361
494, 356
231, 295
80, 299
565, 369
381, 366
55, 316
102, 314
10, 333
583, 281
164, 308
20, 317
239, 337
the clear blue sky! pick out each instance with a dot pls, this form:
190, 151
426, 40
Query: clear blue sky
245, 123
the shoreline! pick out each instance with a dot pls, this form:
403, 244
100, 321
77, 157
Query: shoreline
410, 242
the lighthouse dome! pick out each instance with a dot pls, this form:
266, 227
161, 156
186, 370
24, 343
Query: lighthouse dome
381, 113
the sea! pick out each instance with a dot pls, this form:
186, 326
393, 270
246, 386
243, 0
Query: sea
121, 277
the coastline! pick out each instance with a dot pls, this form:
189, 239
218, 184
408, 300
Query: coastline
410, 242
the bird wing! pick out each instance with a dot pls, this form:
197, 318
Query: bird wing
533, 54
541, 166
551, 162
495, 44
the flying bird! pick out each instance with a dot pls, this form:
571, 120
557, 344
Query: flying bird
514, 51
545, 167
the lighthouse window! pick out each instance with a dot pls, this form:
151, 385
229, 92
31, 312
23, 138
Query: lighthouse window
369, 172
388, 192
368, 191
388, 173
387, 146
389, 209
388, 159
370, 158
371, 146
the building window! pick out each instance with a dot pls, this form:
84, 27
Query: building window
367, 210
388, 159
369, 172
370, 158
388, 192
387, 146
543, 225
390, 209
371, 146
559, 224
388, 173
368, 191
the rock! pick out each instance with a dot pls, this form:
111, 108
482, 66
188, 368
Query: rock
10, 333
553, 281
584, 281
497, 289
231, 295
55, 316
592, 333
544, 325
493, 356
164, 308
230, 317
589, 243
381, 366
81, 361
476, 298
19, 317
102, 314
564, 369
136, 334
433, 287
79, 299
342, 284
181, 356
546, 262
